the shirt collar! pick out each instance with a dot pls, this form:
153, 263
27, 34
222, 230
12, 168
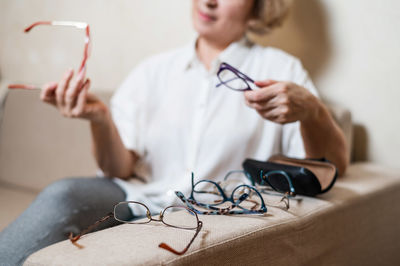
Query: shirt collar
234, 54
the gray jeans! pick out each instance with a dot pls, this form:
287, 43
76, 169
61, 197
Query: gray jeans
68, 205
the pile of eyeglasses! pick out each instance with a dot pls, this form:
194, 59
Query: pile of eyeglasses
237, 193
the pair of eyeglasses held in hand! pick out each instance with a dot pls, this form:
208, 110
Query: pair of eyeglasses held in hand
79, 25
168, 216
233, 78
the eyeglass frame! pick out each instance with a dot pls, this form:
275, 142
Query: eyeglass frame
246, 79
265, 182
149, 217
216, 210
264, 177
79, 25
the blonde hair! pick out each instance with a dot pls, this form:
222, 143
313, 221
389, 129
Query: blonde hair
267, 15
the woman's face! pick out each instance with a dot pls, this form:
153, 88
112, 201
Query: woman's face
221, 20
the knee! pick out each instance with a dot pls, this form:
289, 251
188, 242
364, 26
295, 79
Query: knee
63, 189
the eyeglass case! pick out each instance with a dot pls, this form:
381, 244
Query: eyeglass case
309, 177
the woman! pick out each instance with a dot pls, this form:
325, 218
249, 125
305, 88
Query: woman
169, 119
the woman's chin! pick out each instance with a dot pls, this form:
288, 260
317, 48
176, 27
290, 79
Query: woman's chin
207, 32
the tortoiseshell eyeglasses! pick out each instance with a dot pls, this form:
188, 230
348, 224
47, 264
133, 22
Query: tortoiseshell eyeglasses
79, 25
168, 216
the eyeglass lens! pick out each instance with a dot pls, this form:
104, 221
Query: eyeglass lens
232, 80
170, 216
278, 182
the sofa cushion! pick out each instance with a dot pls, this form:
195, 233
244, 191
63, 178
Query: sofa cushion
356, 223
39, 146
13, 201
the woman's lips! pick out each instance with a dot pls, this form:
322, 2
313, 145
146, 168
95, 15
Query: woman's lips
206, 17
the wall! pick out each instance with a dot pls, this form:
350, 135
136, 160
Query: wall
349, 47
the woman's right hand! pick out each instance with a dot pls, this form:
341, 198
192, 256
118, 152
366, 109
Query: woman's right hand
72, 98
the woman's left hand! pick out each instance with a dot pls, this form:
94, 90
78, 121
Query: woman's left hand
282, 102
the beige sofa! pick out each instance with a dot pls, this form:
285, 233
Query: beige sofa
356, 223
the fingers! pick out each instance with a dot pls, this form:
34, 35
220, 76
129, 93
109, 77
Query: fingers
264, 105
81, 100
48, 93
265, 83
71, 97
272, 101
72, 91
265, 93
62, 86
280, 114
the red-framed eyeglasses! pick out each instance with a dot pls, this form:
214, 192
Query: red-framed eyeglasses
76, 24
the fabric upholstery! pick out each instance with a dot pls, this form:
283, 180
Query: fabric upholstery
353, 224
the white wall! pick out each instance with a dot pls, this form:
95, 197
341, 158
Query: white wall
351, 49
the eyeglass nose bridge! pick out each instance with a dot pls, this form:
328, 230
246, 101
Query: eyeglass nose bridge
161, 215
150, 217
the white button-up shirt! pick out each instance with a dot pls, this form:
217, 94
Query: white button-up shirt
171, 113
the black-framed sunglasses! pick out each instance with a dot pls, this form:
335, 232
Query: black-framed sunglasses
189, 222
233, 78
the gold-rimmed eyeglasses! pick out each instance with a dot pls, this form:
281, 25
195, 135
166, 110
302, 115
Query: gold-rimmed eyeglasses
167, 216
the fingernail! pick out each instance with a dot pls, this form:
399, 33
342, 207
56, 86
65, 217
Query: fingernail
86, 82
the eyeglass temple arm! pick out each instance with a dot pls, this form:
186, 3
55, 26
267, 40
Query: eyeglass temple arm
90, 228
170, 249
229, 80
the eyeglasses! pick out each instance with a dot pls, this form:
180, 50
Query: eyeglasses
240, 182
277, 180
233, 78
273, 182
210, 195
79, 25
190, 221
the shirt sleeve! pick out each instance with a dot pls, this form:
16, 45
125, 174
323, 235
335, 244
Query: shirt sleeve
128, 109
292, 141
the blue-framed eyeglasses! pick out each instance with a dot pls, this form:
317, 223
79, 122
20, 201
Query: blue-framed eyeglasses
245, 195
271, 181
210, 195
279, 181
